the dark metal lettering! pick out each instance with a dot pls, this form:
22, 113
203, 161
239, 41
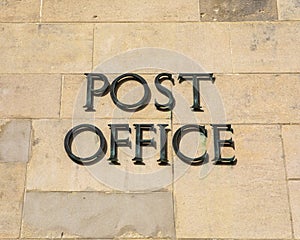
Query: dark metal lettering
76, 131
115, 142
91, 92
195, 78
218, 143
140, 142
163, 157
171, 103
130, 107
177, 138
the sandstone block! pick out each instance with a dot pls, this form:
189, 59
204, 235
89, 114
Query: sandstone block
98, 215
30, 95
120, 11
46, 48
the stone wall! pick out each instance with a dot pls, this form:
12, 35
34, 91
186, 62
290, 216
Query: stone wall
253, 49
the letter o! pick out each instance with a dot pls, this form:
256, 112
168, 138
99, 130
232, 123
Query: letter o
76, 131
130, 107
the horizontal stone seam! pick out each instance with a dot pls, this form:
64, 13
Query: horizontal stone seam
151, 119
147, 73
232, 238
160, 22
101, 192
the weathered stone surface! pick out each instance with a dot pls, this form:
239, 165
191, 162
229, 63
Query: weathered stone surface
74, 98
294, 188
289, 10
98, 215
238, 10
62, 174
248, 200
237, 98
29, 96
49, 157
291, 139
265, 47
11, 198
45, 48
259, 98
181, 47
14, 140
120, 11
19, 11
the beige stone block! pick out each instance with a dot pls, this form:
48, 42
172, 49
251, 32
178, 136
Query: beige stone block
98, 215
48, 156
238, 10
19, 11
180, 47
120, 11
74, 98
30, 96
294, 188
291, 139
11, 198
265, 47
246, 201
62, 174
14, 140
259, 98
46, 48
288, 10
238, 98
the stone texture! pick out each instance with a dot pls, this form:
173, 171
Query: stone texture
237, 98
294, 187
289, 10
14, 140
11, 198
98, 215
237, 10
291, 139
246, 201
65, 175
74, 98
178, 47
45, 48
19, 11
120, 11
29, 96
259, 98
49, 157
265, 47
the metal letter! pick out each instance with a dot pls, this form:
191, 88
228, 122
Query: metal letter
217, 128
91, 92
163, 159
130, 107
158, 80
89, 160
139, 141
195, 78
177, 138
115, 142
